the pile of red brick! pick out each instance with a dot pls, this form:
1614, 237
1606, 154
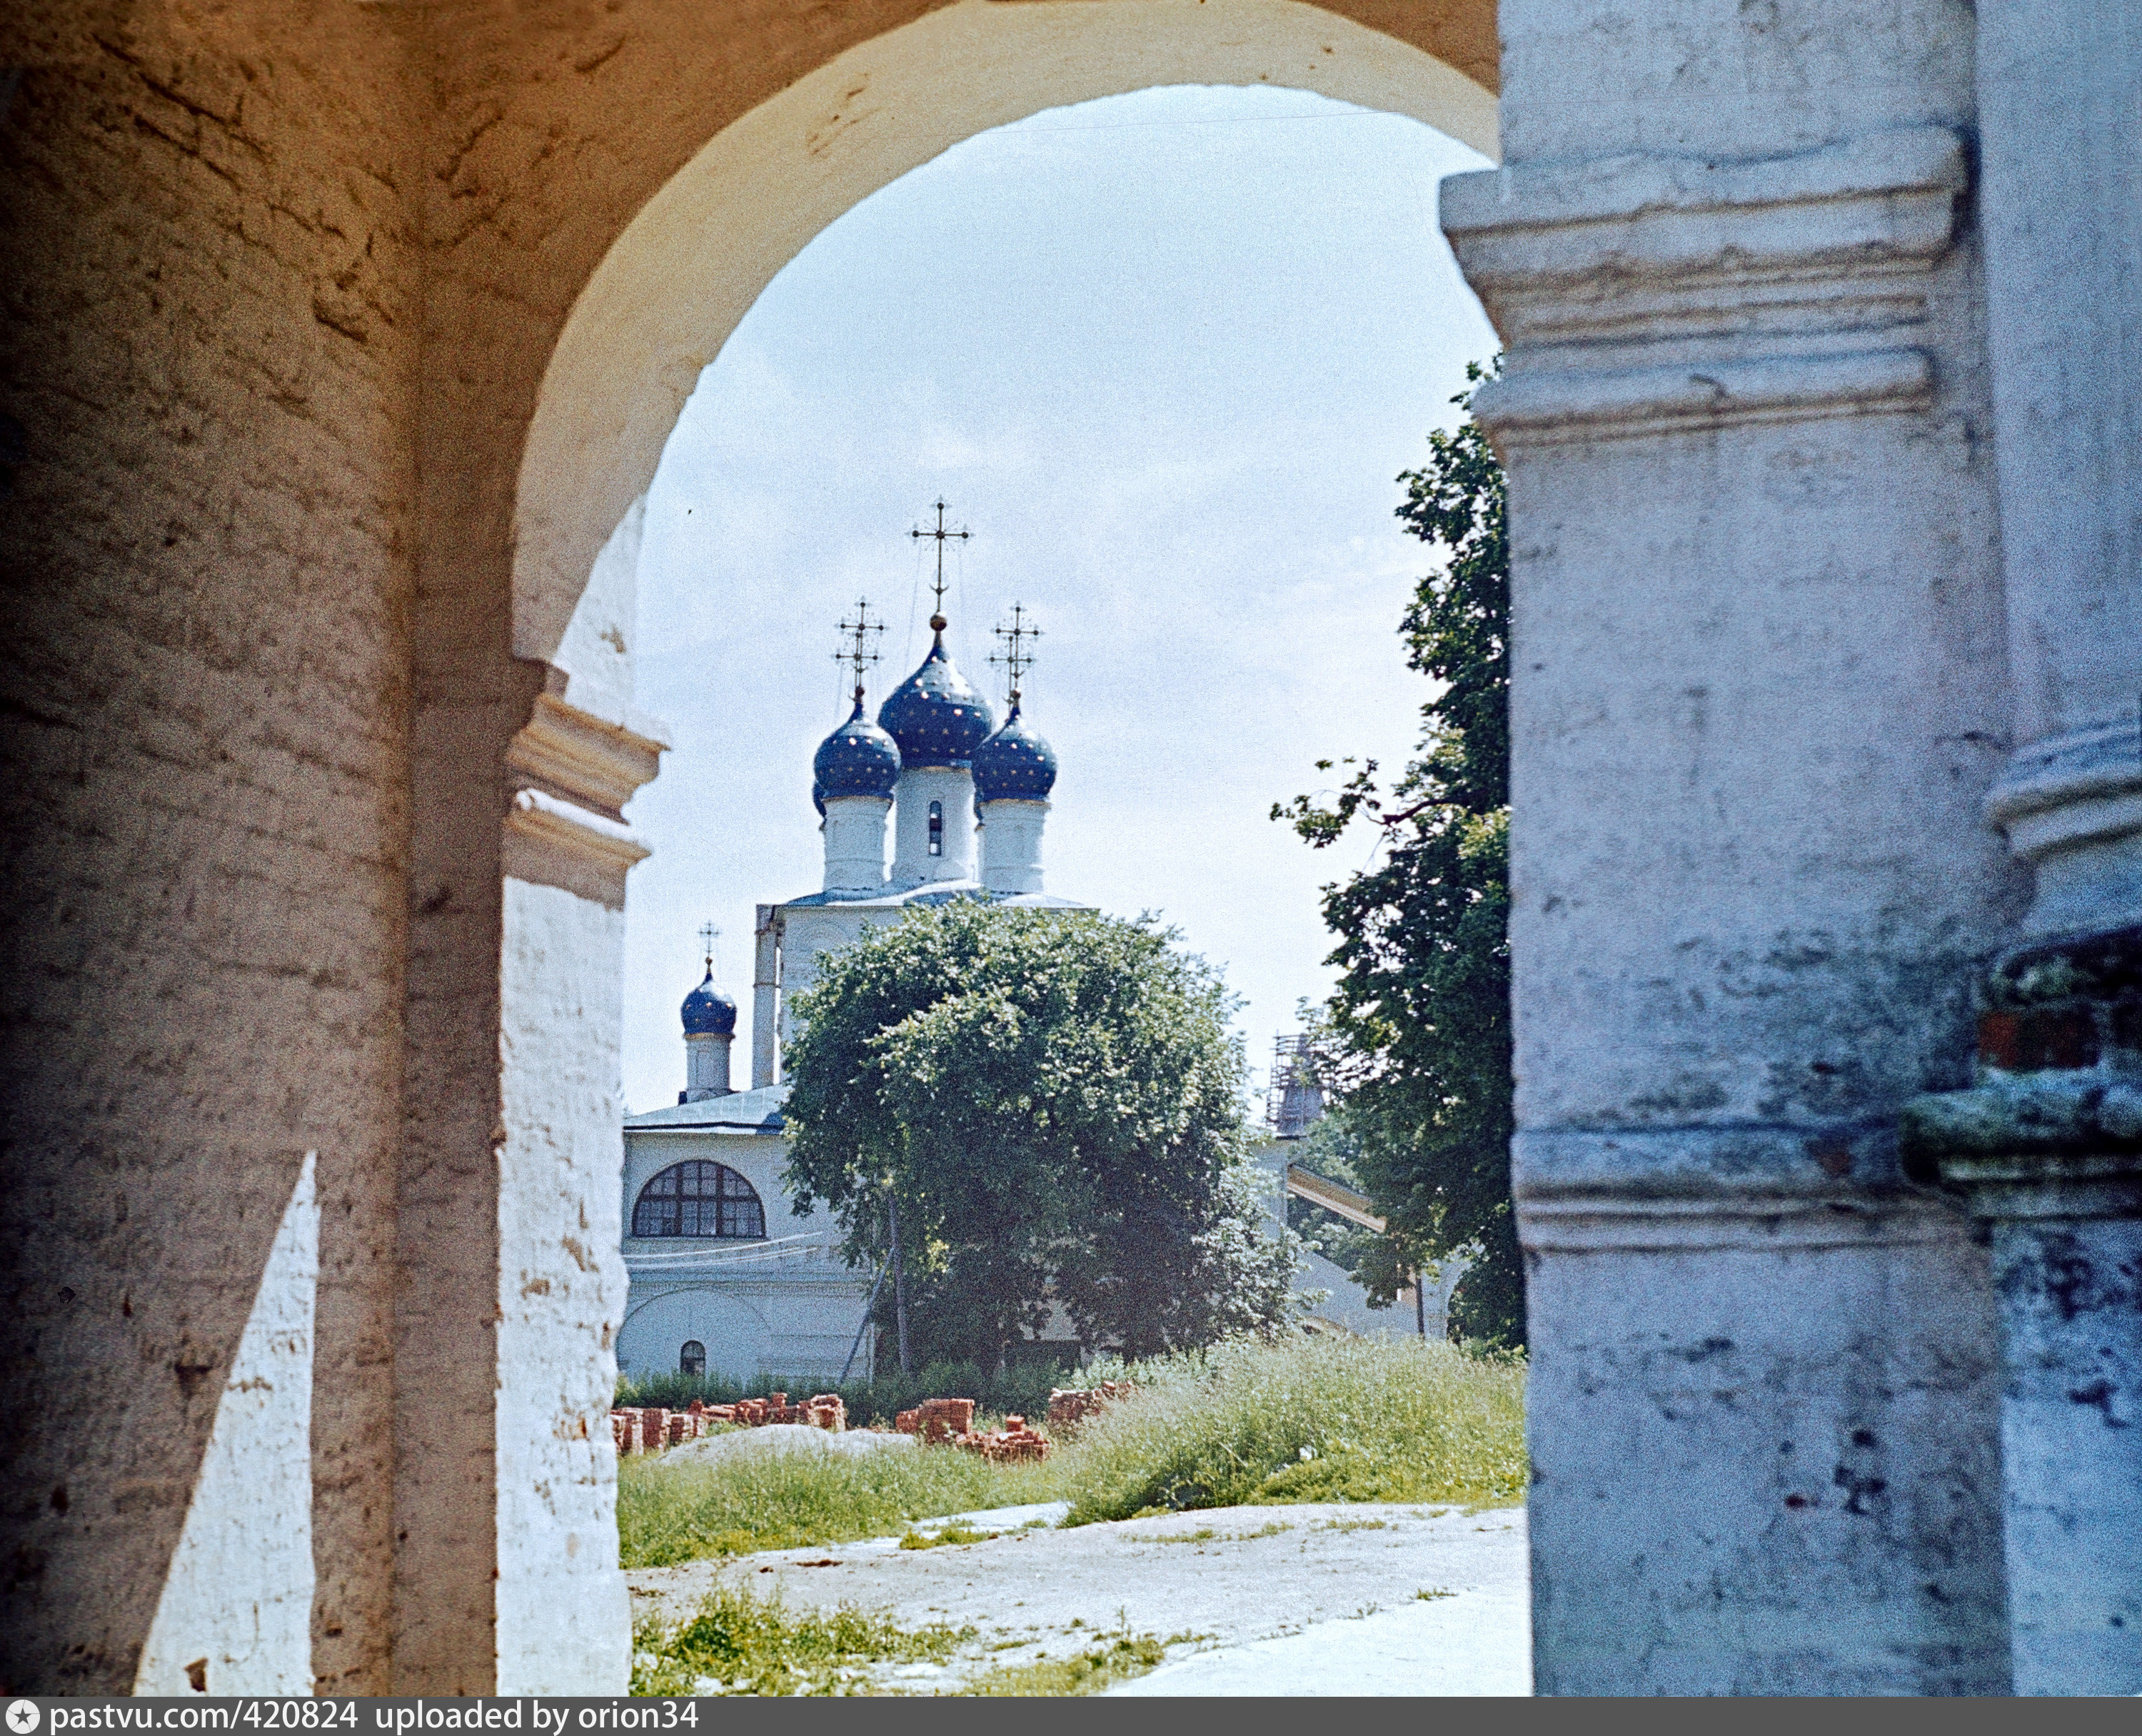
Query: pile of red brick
1068, 1409
652, 1428
951, 1422
938, 1421
1014, 1441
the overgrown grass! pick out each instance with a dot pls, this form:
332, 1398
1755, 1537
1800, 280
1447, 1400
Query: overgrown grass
750, 1501
1318, 1419
739, 1643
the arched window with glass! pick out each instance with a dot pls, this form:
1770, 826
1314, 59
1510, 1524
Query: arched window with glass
700, 1199
691, 1358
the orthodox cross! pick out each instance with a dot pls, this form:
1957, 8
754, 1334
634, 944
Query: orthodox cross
941, 536
1016, 658
708, 933
859, 656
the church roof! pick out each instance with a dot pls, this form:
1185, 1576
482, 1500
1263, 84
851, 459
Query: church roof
741, 1111
936, 716
1014, 764
856, 759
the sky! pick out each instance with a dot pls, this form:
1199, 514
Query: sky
1164, 355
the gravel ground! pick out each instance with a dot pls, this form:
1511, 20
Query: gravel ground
1304, 1600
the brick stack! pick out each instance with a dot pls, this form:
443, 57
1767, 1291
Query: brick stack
650, 1429
1014, 1441
938, 1420
1067, 1409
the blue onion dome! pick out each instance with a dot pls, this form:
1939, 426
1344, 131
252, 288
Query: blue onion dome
937, 718
706, 1009
856, 759
1014, 764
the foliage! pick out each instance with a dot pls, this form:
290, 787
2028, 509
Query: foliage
668, 1512
1318, 1419
1053, 1104
739, 1643
1021, 1387
1415, 1041
1120, 1659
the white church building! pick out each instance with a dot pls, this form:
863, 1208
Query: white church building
723, 1277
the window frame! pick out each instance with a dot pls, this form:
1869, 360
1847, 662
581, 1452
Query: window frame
702, 1189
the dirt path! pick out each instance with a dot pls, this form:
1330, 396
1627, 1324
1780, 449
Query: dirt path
1289, 1599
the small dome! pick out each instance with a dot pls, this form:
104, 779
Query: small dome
856, 759
1015, 765
935, 715
707, 1010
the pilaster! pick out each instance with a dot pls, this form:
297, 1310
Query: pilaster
564, 1626
2046, 1147
1757, 698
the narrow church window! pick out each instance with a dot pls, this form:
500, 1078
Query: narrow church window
936, 828
692, 1359
699, 1199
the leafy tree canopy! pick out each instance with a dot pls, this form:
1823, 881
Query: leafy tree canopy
1415, 1041
1047, 1099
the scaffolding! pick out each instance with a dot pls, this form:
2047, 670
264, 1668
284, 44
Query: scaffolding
1294, 1101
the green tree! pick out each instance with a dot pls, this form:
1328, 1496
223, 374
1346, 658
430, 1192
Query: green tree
1415, 1040
1048, 1100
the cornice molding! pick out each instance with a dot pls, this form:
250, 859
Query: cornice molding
590, 760
1647, 294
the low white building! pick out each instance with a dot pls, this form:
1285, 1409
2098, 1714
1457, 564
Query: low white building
723, 1277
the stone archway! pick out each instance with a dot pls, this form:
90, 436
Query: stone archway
318, 845
654, 311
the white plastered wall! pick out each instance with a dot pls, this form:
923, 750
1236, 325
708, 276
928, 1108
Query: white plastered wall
237, 1607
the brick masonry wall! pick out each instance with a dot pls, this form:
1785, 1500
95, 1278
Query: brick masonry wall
205, 550
283, 280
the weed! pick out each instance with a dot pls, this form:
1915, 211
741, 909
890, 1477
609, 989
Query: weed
950, 1534
1429, 1595
1086, 1672
1319, 1420
740, 1644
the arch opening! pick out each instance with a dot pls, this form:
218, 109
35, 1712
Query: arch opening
663, 302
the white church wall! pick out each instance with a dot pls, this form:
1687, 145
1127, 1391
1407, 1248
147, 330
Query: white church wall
737, 1337
955, 793
794, 1315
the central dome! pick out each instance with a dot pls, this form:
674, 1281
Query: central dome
936, 716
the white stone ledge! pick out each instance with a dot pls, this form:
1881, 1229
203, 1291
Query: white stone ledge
2070, 788
1580, 405
1872, 208
1877, 166
587, 758
1746, 1222
534, 815
1723, 1188
1721, 1166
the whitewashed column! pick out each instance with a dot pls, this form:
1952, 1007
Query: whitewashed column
1758, 696
2048, 1144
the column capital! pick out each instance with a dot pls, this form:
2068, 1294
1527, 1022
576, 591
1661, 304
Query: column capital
1654, 291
